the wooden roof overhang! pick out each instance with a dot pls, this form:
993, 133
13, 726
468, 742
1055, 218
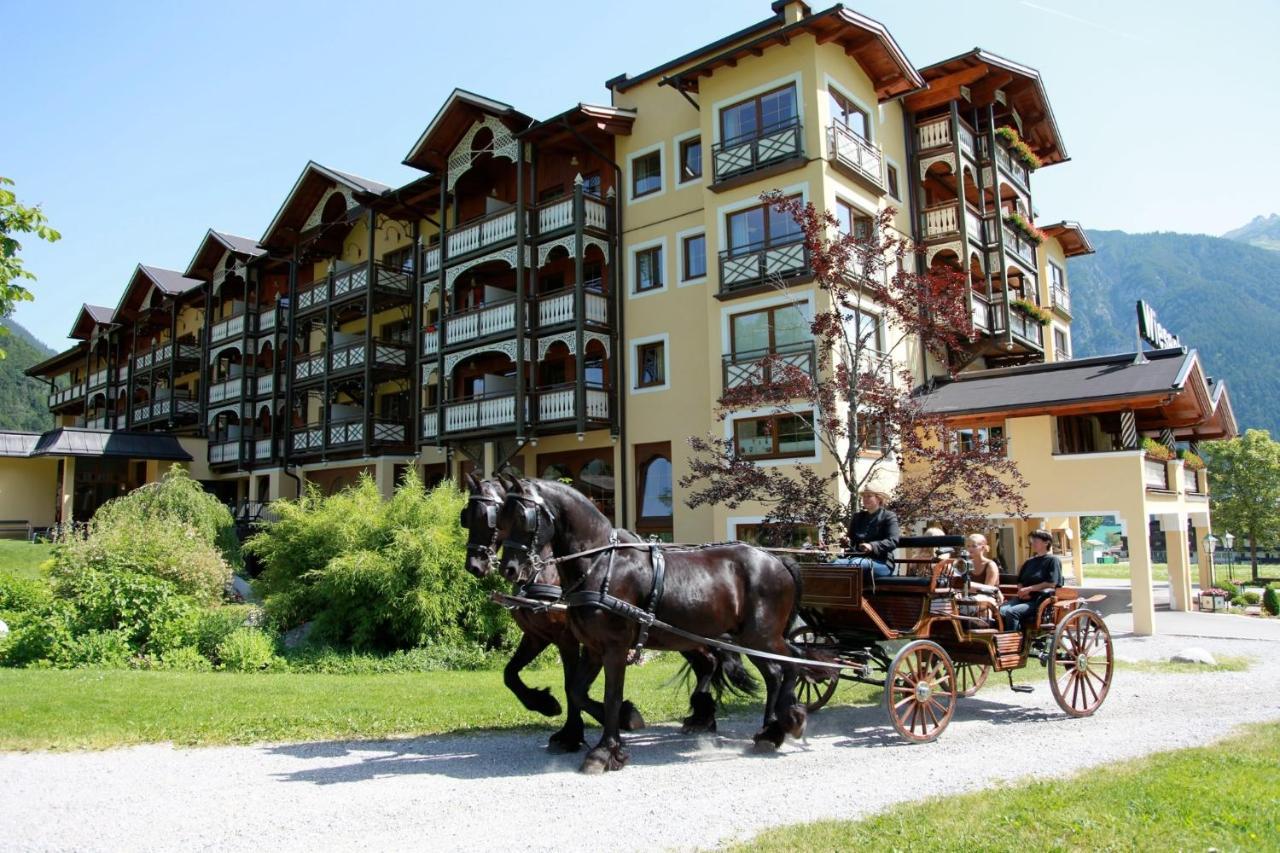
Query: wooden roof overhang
287, 226
418, 199
149, 287
1070, 237
454, 118
55, 364
865, 40
213, 246
984, 74
89, 319
592, 122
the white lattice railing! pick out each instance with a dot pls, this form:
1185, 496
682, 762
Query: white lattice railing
851, 150
746, 154
307, 439
99, 378
741, 269
66, 395
227, 451
262, 448
482, 322
596, 213
934, 134
225, 390
430, 341
308, 366
492, 229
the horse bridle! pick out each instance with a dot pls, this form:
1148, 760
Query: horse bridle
487, 553
533, 507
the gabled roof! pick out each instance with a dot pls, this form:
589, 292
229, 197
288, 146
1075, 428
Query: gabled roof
984, 73
866, 40
1166, 388
144, 278
306, 193
73, 441
459, 111
1070, 237
214, 244
50, 366
89, 317
615, 121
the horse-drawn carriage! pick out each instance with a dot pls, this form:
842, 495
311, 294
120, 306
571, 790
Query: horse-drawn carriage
929, 640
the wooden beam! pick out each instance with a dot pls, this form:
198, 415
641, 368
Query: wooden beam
984, 92
945, 88
830, 35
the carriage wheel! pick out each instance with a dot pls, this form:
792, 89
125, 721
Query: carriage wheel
970, 677
815, 686
1081, 663
920, 691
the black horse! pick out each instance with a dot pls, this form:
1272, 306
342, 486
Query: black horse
714, 672
730, 591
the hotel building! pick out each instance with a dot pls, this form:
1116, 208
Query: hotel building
570, 296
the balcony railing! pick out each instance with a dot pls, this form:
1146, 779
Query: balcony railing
560, 403
350, 356
264, 385
66, 395
263, 449
936, 133
981, 312
751, 368
353, 281
481, 322
848, 149
98, 422
164, 353
165, 408
98, 379
1060, 298
557, 308
226, 451
351, 431
1027, 328
231, 327
227, 389
487, 231
1014, 169
750, 266
430, 423
268, 319
942, 220
557, 214
1190, 480
745, 154
1155, 474
1018, 243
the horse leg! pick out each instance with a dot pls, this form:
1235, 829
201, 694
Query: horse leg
539, 700
783, 714
701, 702
771, 734
589, 667
572, 735
608, 753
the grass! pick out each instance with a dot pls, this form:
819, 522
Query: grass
1120, 571
1223, 796
23, 559
93, 709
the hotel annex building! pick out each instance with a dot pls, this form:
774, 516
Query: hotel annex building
570, 295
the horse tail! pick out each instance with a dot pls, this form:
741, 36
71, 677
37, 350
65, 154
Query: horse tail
732, 676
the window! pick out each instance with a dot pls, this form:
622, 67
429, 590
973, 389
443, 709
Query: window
891, 175
852, 221
760, 227
779, 329
646, 174
651, 364
654, 492
591, 184
648, 269
863, 326
397, 332
1090, 433
693, 251
593, 276
870, 435
1061, 345
773, 437
399, 259
758, 116
395, 406
988, 438
1057, 278
690, 159
852, 117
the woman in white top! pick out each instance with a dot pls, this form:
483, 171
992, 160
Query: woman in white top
984, 580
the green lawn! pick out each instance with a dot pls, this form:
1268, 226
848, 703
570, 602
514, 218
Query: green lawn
1225, 796
22, 558
1113, 571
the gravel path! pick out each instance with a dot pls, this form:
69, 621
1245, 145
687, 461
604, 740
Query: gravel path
503, 791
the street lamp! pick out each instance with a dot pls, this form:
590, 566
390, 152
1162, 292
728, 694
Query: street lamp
1210, 543
1230, 542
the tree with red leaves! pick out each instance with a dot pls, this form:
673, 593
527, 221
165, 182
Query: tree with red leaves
860, 404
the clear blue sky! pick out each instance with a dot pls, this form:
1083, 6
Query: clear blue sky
139, 125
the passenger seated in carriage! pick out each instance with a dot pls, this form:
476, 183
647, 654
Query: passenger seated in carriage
873, 535
1037, 579
984, 597
920, 562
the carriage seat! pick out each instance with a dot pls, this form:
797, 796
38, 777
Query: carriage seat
903, 582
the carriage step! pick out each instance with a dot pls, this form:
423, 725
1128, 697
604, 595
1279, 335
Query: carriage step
1019, 688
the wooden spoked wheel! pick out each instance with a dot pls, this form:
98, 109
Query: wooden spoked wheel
815, 685
970, 677
920, 691
1081, 663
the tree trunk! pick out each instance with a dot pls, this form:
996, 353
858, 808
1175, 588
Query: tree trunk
1253, 555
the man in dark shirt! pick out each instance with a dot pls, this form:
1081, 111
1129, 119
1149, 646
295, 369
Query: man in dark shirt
1037, 579
873, 535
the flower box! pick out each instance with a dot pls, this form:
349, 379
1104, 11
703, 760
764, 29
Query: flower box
1213, 601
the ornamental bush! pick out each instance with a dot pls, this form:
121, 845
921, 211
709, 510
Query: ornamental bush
1252, 596
1271, 600
248, 650
376, 574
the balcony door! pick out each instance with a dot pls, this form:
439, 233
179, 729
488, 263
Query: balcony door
758, 228
759, 116
755, 334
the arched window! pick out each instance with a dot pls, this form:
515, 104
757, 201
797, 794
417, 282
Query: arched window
655, 489
655, 495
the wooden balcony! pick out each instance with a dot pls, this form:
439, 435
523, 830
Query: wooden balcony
747, 268
751, 368
175, 408
936, 134
757, 155
1020, 246
339, 287
229, 389
1005, 162
64, 396
274, 317
160, 356
231, 327
312, 368
477, 323
343, 435
857, 157
98, 379
553, 406
557, 309
942, 222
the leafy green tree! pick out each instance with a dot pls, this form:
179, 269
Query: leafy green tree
1089, 524
16, 218
1245, 475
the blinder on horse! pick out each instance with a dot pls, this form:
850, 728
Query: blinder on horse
532, 508
489, 504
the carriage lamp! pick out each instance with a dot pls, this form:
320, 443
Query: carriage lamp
1230, 542
1210, 543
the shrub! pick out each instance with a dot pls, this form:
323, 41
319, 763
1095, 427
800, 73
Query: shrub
97, 648
185, 659
1230, 588
42, 635
165, 551
21, 595
1271, 600
215, 624
1239, 600
1155, 449
247, 650
375, 574
1252, 596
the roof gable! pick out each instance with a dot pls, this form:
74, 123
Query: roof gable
304, 200
147, 280
460, 111
88, 319
214, 245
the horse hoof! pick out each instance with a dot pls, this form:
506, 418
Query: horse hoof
629, 717
796, 718
770, 738
603, 760
542, 702
692, 726
764, 744
564, 742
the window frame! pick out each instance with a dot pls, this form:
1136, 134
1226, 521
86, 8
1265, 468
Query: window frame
682, 143
756, 99
645, 455
685, 239
637, 345
775, 453
633, 159
657, 269
767, 241
892, 180
848, 105
772, 347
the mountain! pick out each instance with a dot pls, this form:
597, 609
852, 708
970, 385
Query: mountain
1221, 297
1263, 232
24, 402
